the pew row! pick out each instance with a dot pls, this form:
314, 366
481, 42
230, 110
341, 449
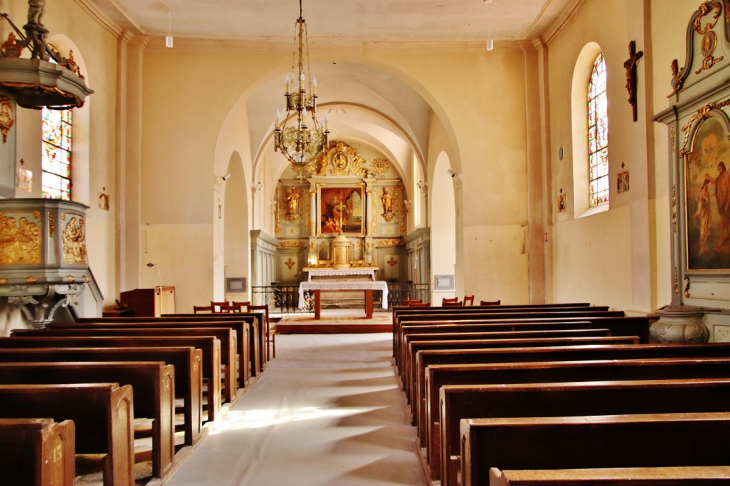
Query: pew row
211, 363
37, 452
484, 400
153, 384
226, 336
635, 440
186, 360
103, 424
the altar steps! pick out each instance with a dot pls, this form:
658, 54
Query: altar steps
335, 322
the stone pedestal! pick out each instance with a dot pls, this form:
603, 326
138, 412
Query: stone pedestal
680, 325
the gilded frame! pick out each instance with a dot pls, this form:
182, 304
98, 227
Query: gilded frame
354, 223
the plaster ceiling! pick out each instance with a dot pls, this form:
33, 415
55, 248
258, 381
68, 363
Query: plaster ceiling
356, 19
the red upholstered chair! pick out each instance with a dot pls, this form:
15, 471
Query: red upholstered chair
493, 302
446, 301
452, 304
469, 300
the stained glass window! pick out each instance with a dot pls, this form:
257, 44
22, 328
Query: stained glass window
56, 156
598, 134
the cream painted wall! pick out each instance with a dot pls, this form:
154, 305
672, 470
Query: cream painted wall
443, 227
180, 143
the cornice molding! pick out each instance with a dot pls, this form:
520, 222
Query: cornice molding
101, 17
566, 17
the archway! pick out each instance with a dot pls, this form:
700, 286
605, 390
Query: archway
443, 230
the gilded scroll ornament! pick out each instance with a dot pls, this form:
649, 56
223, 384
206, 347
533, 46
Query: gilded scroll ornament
676, 281
702, 113
52, 224
7, 118
30, 280
277, 211
20, 243
74, 241
293, 244
674, 208
375, 213
709, 44
340, 160
379, 166
703, 9
394, 242
3, 281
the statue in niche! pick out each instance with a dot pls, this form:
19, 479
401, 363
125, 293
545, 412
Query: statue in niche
387, 200
292, 200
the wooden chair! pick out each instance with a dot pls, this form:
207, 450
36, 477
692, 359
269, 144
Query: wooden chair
452, 304
408, 302
490, 302
446, 301
199, 309
469, 300
270, 333
241, 305
222, 307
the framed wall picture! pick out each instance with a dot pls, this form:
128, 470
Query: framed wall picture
444, 282
707, 197
341, 207
236, 285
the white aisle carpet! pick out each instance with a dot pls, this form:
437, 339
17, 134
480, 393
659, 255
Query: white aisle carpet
326, 412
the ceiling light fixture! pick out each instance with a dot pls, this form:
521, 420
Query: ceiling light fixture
168, 39
302, 141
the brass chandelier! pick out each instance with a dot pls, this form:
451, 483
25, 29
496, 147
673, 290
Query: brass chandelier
304, 138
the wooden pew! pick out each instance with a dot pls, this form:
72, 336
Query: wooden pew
466, 400
427, 358
208, 345
37, 452
416, 346
153, 384
642, 440
103, 416
186, 360
256, 334
619, 324
620, 476
226, 336
242, 330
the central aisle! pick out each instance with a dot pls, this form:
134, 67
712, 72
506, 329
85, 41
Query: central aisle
327, 411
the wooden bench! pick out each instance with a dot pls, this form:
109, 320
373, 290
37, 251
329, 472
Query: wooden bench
226, 336
241, 328
619, 476
103, 416
463, 401
153, 384
643, 440
425, 359
37, 452
416, 346
257, 338
209, 346
186, 360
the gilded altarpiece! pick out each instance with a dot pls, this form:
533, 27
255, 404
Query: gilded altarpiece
349, 190
698, 122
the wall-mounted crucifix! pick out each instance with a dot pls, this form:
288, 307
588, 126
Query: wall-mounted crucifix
630, 66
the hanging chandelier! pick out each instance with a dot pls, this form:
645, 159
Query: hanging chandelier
301, 138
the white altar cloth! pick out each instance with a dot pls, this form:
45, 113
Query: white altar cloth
331, 272
354, 285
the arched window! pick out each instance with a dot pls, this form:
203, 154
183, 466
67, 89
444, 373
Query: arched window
598, 182
56, 156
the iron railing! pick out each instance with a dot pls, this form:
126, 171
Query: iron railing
284, 299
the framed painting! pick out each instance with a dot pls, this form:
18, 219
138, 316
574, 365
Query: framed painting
341, 207
707, 198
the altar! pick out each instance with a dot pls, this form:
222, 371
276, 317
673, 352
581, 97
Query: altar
349, 279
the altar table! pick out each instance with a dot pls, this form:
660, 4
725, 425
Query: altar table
367, 286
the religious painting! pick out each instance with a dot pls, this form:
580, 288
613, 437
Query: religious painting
622, 182
707, 198
341, 208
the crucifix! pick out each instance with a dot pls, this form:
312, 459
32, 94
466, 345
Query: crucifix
340, 208
630, 66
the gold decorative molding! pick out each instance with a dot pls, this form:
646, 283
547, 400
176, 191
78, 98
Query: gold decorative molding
20, 243
7, 117
74, 240
676, 281
703, 9
674, 208
686, 287
277, 210
673, 134
52, 224
394, 242
30, 280
289, 263
402, 209
703, 113
379, 166
375, 211
340, 160
71, 279
3, 281
709, 38
293, 244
